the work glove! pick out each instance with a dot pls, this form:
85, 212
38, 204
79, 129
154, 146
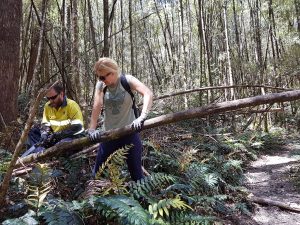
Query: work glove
138, 123
44, 136
89, 131
94, 136
53, 139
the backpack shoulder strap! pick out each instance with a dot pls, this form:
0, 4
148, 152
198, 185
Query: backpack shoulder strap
104, 90
126, 86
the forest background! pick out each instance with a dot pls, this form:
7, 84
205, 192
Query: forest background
169, 45
235, 49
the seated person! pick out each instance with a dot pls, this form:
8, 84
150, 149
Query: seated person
62, 121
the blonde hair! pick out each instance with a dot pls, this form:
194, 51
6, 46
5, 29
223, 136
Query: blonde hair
106, 64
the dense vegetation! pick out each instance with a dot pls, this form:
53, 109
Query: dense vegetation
196, 166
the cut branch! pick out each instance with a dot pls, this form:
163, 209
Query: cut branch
77, 144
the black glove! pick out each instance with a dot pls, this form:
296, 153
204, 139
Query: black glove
44, 136
51, 140
95, 136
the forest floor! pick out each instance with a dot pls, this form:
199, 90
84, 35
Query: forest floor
274, 176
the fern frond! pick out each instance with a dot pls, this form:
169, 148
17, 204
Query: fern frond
39, 186
163, 206
148, 184
118, 158
201, 179
38, 194
62, 216
186, 157
124, 209
190, 218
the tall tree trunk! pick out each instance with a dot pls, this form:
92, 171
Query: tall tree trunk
106, 28
93, 35
10, 26
297, 7
238, 41
75, 51
230, 76
132, 45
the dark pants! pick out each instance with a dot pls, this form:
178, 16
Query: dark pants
34, 137
134, 157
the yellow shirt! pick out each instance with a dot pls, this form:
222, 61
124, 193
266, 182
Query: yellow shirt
60, 119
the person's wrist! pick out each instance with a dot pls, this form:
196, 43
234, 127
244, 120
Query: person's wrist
144, 115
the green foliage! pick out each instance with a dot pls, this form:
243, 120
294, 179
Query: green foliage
201, 178
146, 186
4, 162
162, 207
74, 177
113, 166
190, 218
27, 219
61, 216
123, 209
39, 186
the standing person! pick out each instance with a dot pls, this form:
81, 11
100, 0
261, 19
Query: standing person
117, 104
62, 121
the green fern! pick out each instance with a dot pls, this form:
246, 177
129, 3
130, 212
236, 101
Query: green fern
190, 218
39, 186
201, 179
123, 209
143, 187
117, 158
113, 166
62, 216
162, 207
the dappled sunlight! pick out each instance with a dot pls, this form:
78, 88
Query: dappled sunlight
272, 160
262, 178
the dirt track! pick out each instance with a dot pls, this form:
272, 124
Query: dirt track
271, 177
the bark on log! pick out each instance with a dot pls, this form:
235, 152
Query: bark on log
287, 206
78, 144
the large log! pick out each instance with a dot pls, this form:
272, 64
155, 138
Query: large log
287, 206
78, 144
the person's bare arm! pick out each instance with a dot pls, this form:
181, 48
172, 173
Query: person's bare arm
142, 89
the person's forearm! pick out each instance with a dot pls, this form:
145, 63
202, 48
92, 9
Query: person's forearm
70, 131
147, 102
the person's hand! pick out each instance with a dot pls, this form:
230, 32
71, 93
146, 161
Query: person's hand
48, 140
95, 136
89, 131
138, 123
44, 136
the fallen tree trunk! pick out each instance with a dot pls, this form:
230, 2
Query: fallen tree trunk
77, 144
287, 206
220, 87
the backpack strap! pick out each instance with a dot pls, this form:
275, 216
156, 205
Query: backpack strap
127, 88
